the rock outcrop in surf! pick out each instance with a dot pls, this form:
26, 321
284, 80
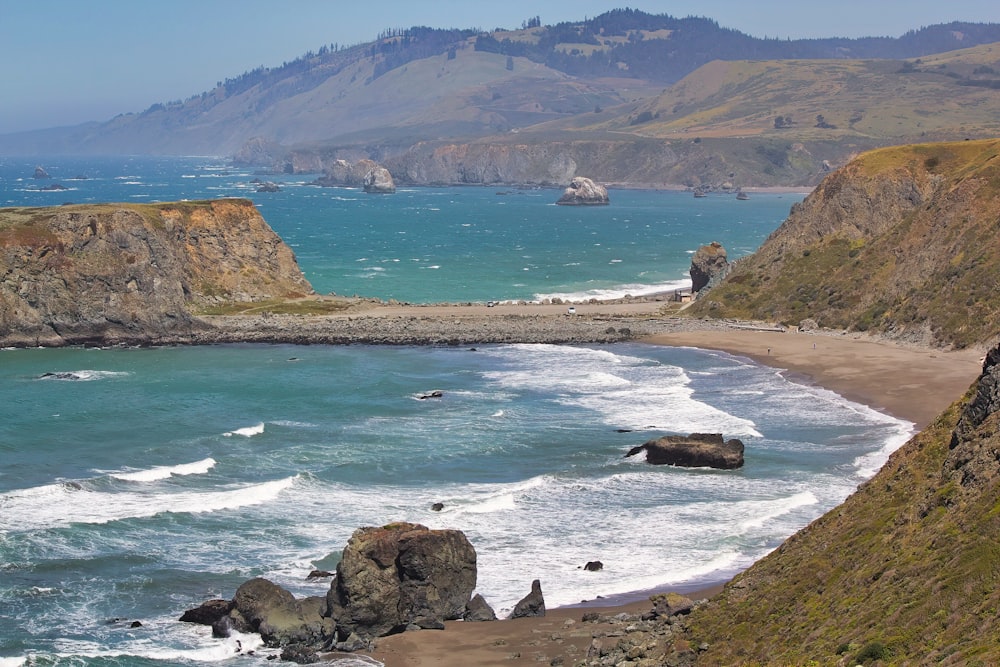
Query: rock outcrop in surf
698, 450
391, 578
584, 192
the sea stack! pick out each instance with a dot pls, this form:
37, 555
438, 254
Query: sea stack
709, 266
584, 192
378, 180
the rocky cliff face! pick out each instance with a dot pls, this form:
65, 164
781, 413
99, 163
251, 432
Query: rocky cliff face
903, 572
709, 265
901, 241
133, 273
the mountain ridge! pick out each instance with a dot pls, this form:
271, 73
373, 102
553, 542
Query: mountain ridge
421, 84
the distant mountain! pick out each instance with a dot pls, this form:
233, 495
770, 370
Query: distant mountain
424, 84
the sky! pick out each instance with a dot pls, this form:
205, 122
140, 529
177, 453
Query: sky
67, 62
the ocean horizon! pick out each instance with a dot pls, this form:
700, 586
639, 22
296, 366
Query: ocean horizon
137, 483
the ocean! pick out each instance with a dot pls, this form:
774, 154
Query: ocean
137, 483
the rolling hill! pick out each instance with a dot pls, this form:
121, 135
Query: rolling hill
601, 79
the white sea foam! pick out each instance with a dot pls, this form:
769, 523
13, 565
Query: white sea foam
616, 291
55, 505
209, 650
82, 375
627, 392
13, 662
540, 521
246, 431
867, 465
163, 472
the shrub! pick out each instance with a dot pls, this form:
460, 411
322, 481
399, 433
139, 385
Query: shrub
873, 651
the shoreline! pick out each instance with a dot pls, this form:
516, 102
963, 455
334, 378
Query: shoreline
908, 382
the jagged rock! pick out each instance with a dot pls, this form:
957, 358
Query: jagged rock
671, 604
208, 612
437, 507
478, 610
399, 574
279, 618
379, 181
974, 457
302, 655
41, 173
532, 604
698, 450
319, 574
584, 192
708, 266
268, 186
54, 187
593, 566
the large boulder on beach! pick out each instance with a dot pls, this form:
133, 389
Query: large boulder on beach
698, 450
584, 192
478, 610
532, 604
709, 266
378, 180
399, 575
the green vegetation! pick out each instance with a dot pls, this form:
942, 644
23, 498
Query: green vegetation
900, 242
904, 572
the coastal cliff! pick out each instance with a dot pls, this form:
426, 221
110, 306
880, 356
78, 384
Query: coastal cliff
900, 242
903, 572
110, 273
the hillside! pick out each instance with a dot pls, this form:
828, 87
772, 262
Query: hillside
950, 94
900, 242
422, 84
107, 273
904, 572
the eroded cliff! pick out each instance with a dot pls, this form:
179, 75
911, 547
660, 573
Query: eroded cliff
904, 572
128, 273
900, 242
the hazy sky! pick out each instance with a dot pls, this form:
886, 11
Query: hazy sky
71, 61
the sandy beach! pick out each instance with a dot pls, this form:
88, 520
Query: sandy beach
907, 382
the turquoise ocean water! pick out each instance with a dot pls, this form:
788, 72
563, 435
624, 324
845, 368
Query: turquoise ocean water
137, 483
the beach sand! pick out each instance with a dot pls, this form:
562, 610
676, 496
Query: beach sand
911, 383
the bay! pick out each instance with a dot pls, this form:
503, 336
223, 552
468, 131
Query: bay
136, 483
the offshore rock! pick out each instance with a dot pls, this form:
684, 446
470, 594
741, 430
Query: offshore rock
379, 181
134, 273
41, 173
584, 192
708, 266
698, 450
399, 575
